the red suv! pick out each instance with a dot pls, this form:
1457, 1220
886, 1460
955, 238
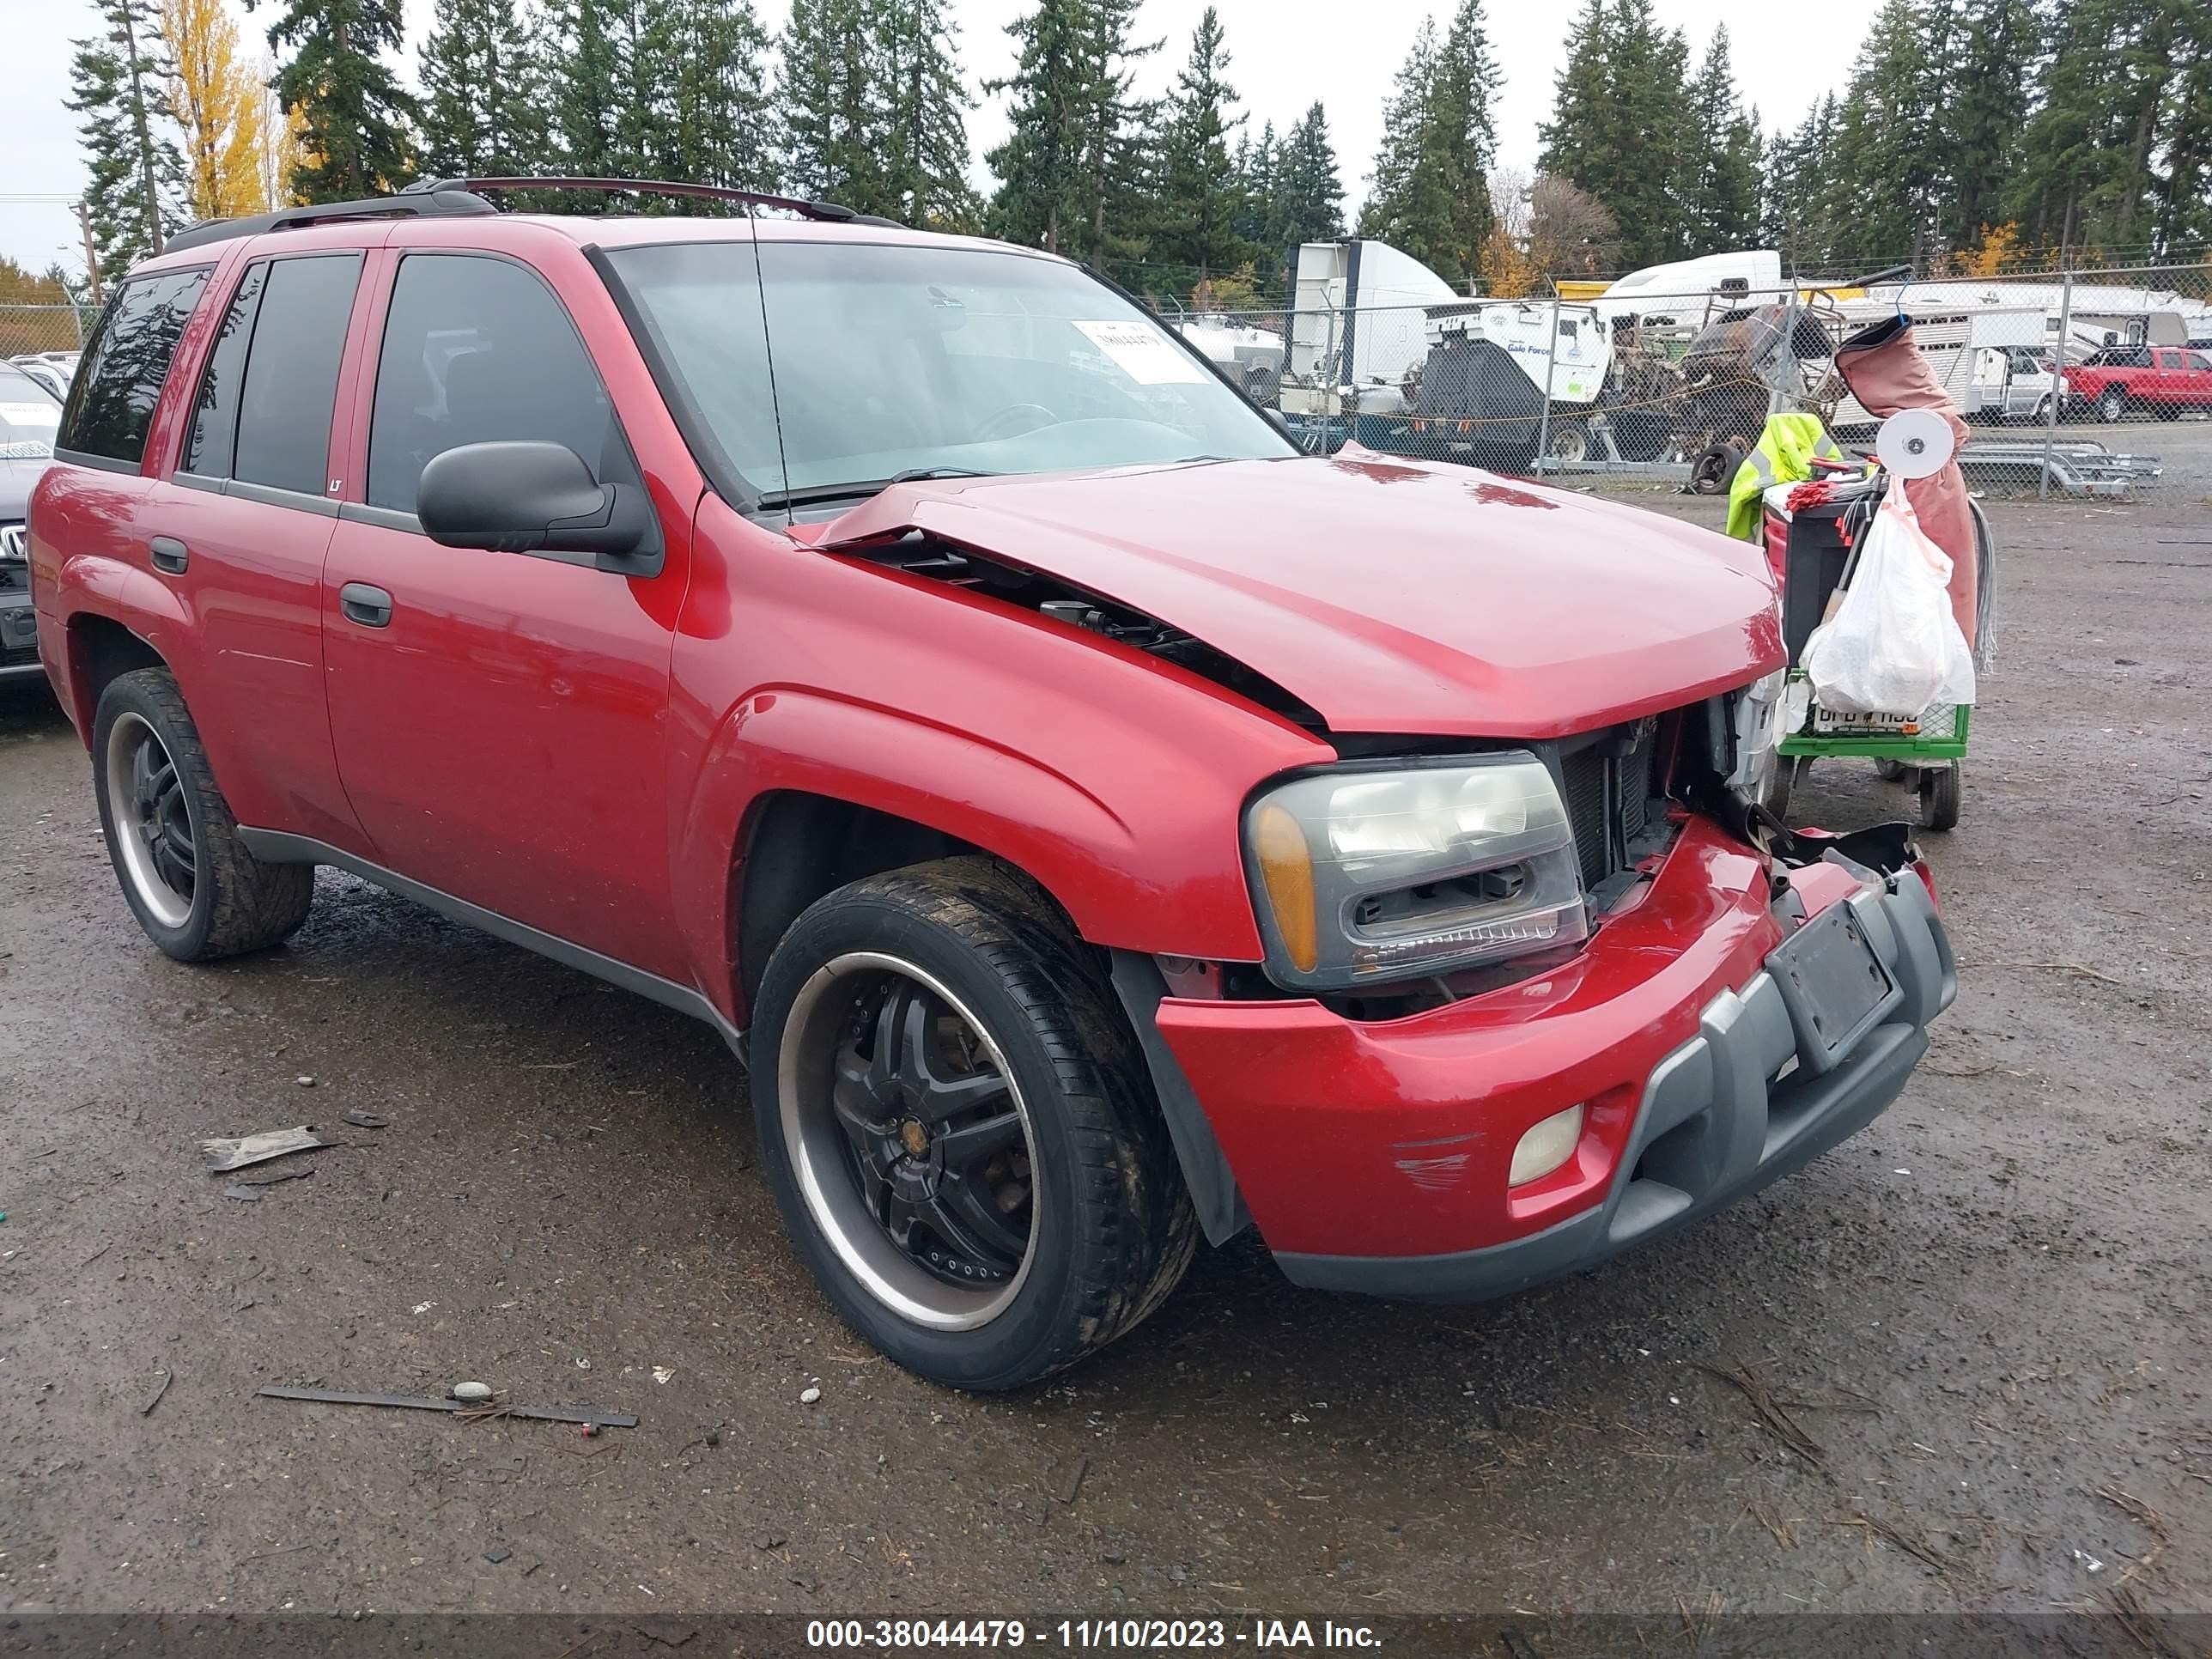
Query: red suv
1096, 823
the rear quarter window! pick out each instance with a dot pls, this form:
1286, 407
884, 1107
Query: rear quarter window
112, 402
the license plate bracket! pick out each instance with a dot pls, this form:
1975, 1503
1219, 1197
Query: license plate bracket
1834, 985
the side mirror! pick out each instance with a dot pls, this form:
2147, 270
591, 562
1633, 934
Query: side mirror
1281, 422
517, 497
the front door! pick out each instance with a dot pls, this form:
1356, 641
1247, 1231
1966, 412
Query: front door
502, 718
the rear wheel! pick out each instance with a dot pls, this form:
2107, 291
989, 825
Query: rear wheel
188, 877
960, 1129
1570, 443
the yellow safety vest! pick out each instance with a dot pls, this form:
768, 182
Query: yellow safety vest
1786, 454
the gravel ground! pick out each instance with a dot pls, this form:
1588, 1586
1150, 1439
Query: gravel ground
1979, 1330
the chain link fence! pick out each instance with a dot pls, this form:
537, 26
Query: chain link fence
2093, 383
29, 330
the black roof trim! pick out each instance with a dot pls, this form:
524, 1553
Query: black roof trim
438, 202
828, 212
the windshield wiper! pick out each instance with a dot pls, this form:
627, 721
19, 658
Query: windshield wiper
815, 494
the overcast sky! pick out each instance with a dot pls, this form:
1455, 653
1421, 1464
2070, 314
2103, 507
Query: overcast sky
1285, 54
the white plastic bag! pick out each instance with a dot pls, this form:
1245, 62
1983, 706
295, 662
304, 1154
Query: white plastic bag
1893, 645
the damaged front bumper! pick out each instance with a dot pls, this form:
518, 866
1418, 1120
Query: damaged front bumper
1714, 1040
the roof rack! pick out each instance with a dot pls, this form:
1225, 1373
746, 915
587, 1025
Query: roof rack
438, 201
828, 212
461, 198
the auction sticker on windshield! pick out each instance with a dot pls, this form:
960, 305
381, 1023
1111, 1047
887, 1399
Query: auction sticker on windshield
1143, 353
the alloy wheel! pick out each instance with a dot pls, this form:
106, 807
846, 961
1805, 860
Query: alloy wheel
910, 1140
152, 822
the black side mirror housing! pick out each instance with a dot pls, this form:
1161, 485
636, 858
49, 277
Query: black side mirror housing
533, 497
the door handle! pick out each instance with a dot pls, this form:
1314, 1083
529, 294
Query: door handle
369, 606
169, 554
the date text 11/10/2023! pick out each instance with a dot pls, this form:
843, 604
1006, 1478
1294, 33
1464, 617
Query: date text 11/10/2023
1085, 1634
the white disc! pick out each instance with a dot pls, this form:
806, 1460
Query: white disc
1914, 443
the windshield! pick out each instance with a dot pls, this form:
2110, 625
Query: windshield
897, 360
29, 416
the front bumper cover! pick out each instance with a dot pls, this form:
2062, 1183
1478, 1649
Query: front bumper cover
1715, 1121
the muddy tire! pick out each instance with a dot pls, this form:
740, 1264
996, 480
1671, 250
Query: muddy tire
960, 1129
197, 891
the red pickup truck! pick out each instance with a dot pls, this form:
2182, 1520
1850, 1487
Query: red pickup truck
2158, 381
1096, 823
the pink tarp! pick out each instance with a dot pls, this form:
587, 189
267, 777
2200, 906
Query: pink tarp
1887, 374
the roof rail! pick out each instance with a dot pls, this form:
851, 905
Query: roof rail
437, 201
828, 212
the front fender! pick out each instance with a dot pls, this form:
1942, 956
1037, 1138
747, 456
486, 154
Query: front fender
1123, 884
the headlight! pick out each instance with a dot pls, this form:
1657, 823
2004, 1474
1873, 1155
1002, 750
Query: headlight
1364, 876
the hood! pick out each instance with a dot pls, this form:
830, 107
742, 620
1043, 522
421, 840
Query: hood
1389, 596
16, 478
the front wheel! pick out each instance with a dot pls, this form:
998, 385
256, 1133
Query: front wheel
2111, 406
187, 876
960, 1128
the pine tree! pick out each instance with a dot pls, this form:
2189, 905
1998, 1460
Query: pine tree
2182, 217
1430, 193
573, 42
1075, 170
1889, 141
1463, 140
482, 101
2086, 175
718, 97
1622, 125
1985, 115
1720, 192
356, 113
1309, 196
925, 131
1200, 197
1385, 213
1254, 164
830, 101
117, 82
641, 42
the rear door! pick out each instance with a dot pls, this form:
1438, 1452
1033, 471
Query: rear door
239, 531
502, 718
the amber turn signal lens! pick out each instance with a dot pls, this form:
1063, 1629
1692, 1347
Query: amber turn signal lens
1286, 868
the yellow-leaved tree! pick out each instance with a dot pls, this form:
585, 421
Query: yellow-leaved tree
217, 99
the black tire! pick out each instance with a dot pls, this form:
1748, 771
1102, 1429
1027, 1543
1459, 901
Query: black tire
1939, 788
236, 903
1111, 1227
1715, 469
2112, 406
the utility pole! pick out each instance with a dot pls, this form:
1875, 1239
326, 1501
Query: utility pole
91, 253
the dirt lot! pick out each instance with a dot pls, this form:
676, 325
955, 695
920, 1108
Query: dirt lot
1984, 1321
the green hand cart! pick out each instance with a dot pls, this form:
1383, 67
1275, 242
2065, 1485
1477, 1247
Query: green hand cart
1811, 552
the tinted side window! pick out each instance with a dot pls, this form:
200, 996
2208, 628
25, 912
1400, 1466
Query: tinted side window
2200, 362
292, 373
477, 350
112, 403
215, 411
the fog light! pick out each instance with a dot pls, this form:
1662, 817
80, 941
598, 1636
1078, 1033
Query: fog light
1545, 1147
